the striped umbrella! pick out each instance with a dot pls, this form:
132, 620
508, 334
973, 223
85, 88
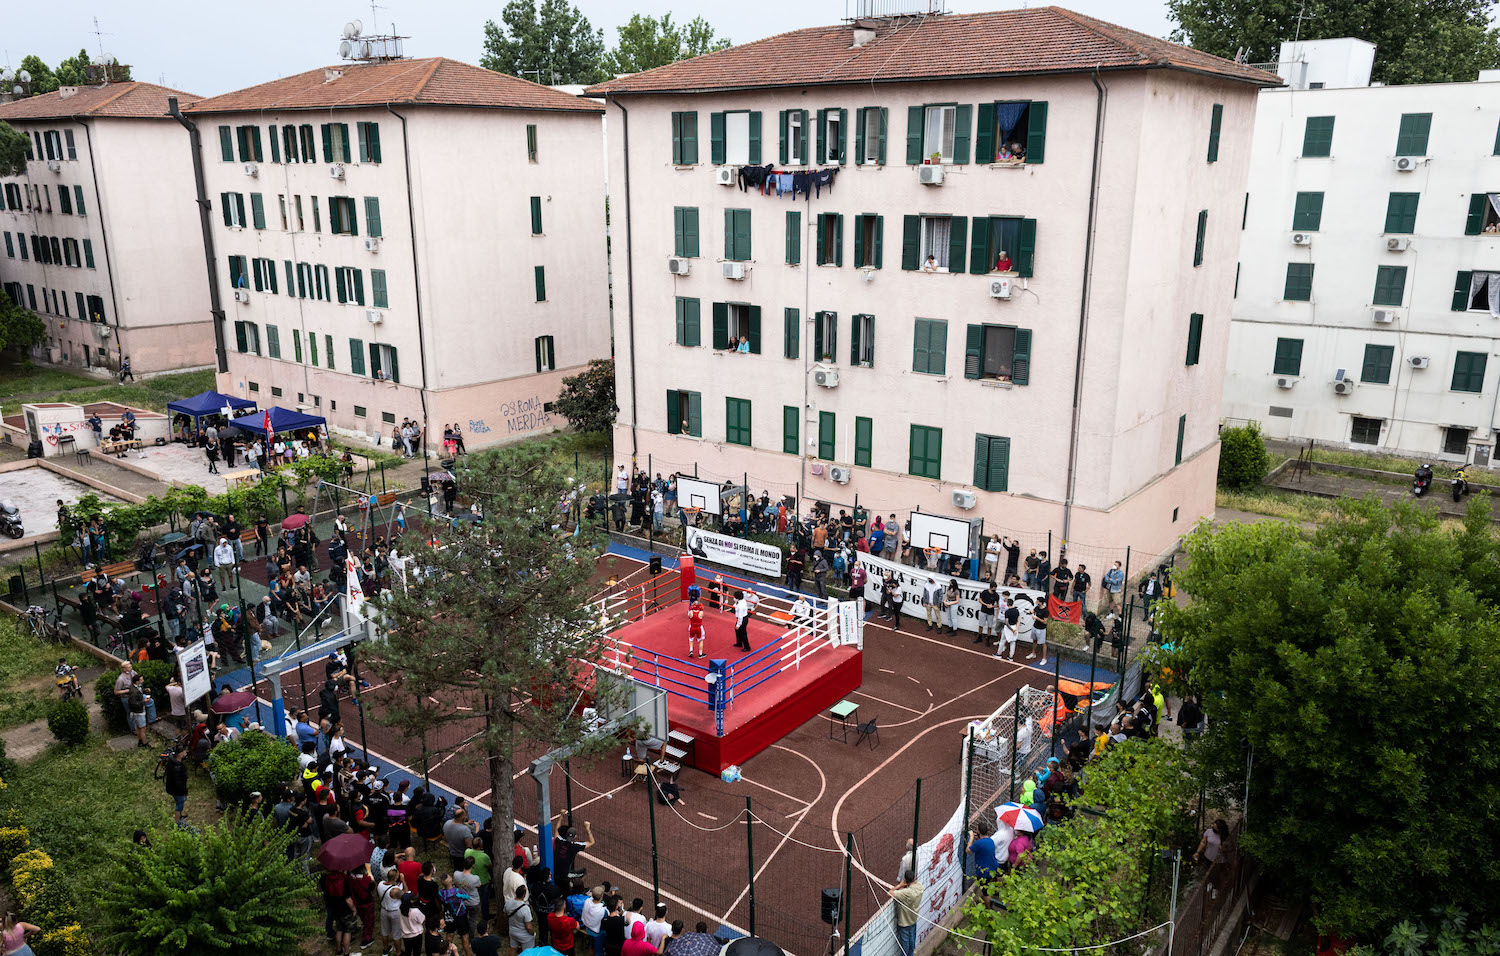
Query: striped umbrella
1019, 817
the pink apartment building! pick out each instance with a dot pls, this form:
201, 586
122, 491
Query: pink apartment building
1012, 300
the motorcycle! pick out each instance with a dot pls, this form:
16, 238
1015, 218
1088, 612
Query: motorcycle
1421, 481
10, 519
1460, 486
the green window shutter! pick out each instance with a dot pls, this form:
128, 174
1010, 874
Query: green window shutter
312, 348
688, 322
911, 243
297, 344
531, 148
822, 238
802, 140
791, 430
677, 231
1317, 136
690, 231
374, 360
793, 238
1377, 364
859, 137
64, 201
372, 216
984, 136
721, 325
879, 241
791, 332
716, 150
827, 435
991, 463
674, 412
78, 200
1213, 132
343, 290
885, 124
843, 143
224, 207
1461, 287
291, 278
681, 321
925, 457
914, 118
1025, 259
695, 414
1401, 212
273, 341
536, 214
974, 352
785, 142
1181, 434
822, 123
1288, 357
258, 210
754, 332
676, 142
737, 421
374, 144
1020, 358
755, 138
854, 339
364, 147
1411, 139
1497, 140
328, 349
1390, 285
239, 206
930, 351
327, 143
357, 356
236, 273
1468, 371
335, 215
226, 144
963, 124
958, 234
864, 437
1202, 235
1299, 276
1195, 338
689, 138
352, 216
742, 234
1475, 224
255, 143
239, 337
359, 287
729, 234
838, 239
980, 260
859, 242
817, 355
540, 273
1036, 132
1307, 214
378, 295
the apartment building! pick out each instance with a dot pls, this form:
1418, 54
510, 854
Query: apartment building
407, 239
1043, 343
101, 237
1368, 300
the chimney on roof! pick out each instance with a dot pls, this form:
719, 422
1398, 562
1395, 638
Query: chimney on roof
63, 92
329, 75
864, 32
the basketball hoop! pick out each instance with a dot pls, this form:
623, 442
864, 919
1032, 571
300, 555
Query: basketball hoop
934, 556
690, 515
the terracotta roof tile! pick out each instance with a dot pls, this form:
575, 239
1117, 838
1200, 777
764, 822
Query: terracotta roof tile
435, 81
998, 43
132, 100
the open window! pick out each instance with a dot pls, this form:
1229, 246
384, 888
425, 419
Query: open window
1456, 440
833, 136
1484, 292
869, 136
1484, 215
825, 337
936, 235
939, 125
736, 327
1012, 124
796, 138
998, 352
862, 344
737, 138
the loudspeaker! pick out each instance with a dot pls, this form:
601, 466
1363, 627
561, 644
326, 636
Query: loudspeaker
830, 908
655, 564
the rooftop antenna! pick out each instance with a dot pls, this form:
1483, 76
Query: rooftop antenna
374, 17
1301, 15
100, 35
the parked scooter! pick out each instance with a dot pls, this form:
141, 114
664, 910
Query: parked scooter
10, 519
1422, 480
1460, 484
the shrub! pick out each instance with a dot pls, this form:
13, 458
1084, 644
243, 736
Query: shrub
1243, 459
255, 762
69, 721
104, 696
155, 674
13, 842
69, 940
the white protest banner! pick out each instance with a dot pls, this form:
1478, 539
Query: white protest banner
912, 580
192, 670
940, 870
850, 629
752, 556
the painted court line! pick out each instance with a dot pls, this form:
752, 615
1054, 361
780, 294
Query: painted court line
892, 703
708, 816
775, 791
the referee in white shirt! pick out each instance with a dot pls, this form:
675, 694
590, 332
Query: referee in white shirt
741, 622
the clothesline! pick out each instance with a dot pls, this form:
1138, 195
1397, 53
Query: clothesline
765, 179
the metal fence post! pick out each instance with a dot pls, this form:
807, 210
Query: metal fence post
916, 818
1093, 659
364, 740
1015, 726
1056, 680
968, 810
41, 575
750, 851
655, 859
568, 773
848, 886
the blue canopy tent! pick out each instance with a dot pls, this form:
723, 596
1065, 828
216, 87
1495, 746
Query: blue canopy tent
282, 420
209, 403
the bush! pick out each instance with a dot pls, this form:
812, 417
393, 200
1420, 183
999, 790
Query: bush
13, 842
1243, 459
255, 762
104, 696
69, 940
155, 674
69, 721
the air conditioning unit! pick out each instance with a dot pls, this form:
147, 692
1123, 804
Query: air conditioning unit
1343, 387
241, 295
1419, 361
825, 376
54, 165
1405, 164
252, 169
679, 267
839, 474
734, 270
105, 331
964, 499
1384, 316
1000, 288
336, 171
372, 244
725, 176
930, 175
1301, 238
1285, 382
1397, 244
374, 316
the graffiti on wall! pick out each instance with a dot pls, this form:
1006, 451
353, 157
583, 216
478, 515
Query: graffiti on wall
526, 415
51, 433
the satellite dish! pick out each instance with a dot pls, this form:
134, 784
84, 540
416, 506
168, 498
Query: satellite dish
358, 27
24, 76
345, 49
5, 75
18, 89
348, 31
362, 49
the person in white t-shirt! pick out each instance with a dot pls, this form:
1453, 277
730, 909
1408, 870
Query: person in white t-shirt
388, 892
992, 559
658, 929
741, 622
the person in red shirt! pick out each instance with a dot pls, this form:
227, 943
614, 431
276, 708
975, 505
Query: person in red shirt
562, 927
695, 628
410, 869
1002, 263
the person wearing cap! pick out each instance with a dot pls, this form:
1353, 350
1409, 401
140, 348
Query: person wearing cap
224, 563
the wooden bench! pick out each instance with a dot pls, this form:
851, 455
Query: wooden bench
120, 569
242, 477
70, 598
119, 448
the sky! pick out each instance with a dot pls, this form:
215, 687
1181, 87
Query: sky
185, 46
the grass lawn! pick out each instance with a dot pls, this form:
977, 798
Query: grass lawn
1364, 459
1277, 503
26, 685
18, 386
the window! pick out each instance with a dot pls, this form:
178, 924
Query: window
95, 307
546, 355
926, 458
72, 146
64, 201
737, 234
1181, 434
793, 137
1195, 338
297, 345
238, 269
1214, 126
825, 337
869, 136
257, 211
322, 287
689, 316
372, 216
360, 411
791, 333
1468, 371
341, 216
864, 438
351, 284
1390, 285
247, 338
869, 232
1299, 276
1004, 244
791, 430
335, 142
233, 205
10, 247
936, 243
309, 154
539, 273
312, 351
734, 138
289, 143
265, 274
1377, 366
301, 223
1202, 234
992, 463
1401, 212
827, 435
536, 215
1307, 214
1317, 137
833, 136
1484, 215
379, 297
249, 141
281, 207
1456, 440
684, 413
328, 348
1366, 431
684, 139
273, 341
830, 239
862, 341
1288, 359
531, 142
88, 253
930, 347
1411, 139
383, 364
1010, 132
793, 238
685, 231
939, 125
369, 142
737, 421
736, 323
226, 144
999, 352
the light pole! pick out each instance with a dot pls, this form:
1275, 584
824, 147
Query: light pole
1175, 857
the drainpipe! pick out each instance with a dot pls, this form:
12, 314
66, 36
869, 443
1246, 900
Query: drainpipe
629, 276
1083, 308
109, 267
416, 278
215, 305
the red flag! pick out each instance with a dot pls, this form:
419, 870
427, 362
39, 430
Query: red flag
1068, 611
270, 435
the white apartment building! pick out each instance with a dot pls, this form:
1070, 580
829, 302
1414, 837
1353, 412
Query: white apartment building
401, 239
1060, 198
1367, 306
109, 258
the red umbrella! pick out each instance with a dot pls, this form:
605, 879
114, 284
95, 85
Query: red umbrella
232, 703
347, 851
293, 522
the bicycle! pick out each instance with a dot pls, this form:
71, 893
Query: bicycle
116, 646
39, 621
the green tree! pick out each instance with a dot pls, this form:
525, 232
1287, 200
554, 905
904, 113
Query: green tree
553, 43
512, 650
228, 890
1243, 459
74, 70
255, 762
1417, 41
1349, 673
20, 329
13, 146
647, 42
587, 400
43, 80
